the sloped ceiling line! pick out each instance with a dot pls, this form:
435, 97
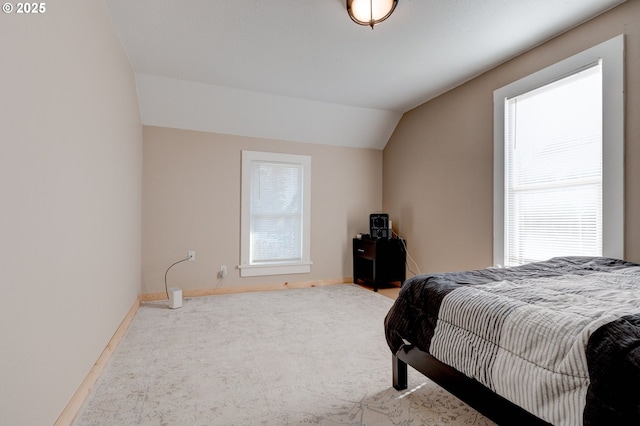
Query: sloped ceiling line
303, 71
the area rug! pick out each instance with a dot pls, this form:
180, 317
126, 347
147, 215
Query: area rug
313, 356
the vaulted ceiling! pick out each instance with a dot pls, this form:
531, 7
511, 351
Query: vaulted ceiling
301, 70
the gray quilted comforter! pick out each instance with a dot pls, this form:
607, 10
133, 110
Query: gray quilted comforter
560, 338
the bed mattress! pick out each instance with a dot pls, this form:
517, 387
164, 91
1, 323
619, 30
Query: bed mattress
559, 338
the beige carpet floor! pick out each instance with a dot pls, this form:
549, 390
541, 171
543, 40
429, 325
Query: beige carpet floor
310, 356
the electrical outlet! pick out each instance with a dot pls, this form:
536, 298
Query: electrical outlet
192, 255
223, 271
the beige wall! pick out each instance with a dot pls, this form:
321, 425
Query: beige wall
70, 179
191, 201
438, 164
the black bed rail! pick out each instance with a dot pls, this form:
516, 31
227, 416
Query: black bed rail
472, 392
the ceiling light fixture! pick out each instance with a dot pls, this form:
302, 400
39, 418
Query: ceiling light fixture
370, 12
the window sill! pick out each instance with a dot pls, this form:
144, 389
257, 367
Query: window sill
275, 269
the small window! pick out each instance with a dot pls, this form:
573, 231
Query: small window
558, 160
275, 214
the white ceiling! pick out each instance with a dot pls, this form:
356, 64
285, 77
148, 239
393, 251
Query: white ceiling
301, 70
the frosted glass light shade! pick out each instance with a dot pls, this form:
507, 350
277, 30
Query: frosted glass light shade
370, 12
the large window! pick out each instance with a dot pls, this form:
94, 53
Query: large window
559, 160
275, 214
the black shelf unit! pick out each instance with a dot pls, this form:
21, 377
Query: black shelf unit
379, 261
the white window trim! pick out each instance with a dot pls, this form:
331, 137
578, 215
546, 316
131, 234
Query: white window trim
611, 52
275, 268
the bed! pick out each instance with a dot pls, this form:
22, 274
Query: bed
554, 342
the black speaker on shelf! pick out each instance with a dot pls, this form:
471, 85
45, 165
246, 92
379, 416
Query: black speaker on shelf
379, 226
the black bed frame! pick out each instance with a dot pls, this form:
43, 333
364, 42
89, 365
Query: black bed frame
478, 396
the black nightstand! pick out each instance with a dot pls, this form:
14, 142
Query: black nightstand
379, 261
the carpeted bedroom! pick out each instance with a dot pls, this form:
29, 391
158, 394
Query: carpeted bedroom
303, 356
484, 155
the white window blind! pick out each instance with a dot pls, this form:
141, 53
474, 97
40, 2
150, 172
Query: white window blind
275, 229
276, 212
553, 153
559, 159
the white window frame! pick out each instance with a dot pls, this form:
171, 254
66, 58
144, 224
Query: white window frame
247, 269
611, 52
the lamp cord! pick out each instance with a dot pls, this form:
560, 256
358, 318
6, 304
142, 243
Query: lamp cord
166, 289
408, 255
